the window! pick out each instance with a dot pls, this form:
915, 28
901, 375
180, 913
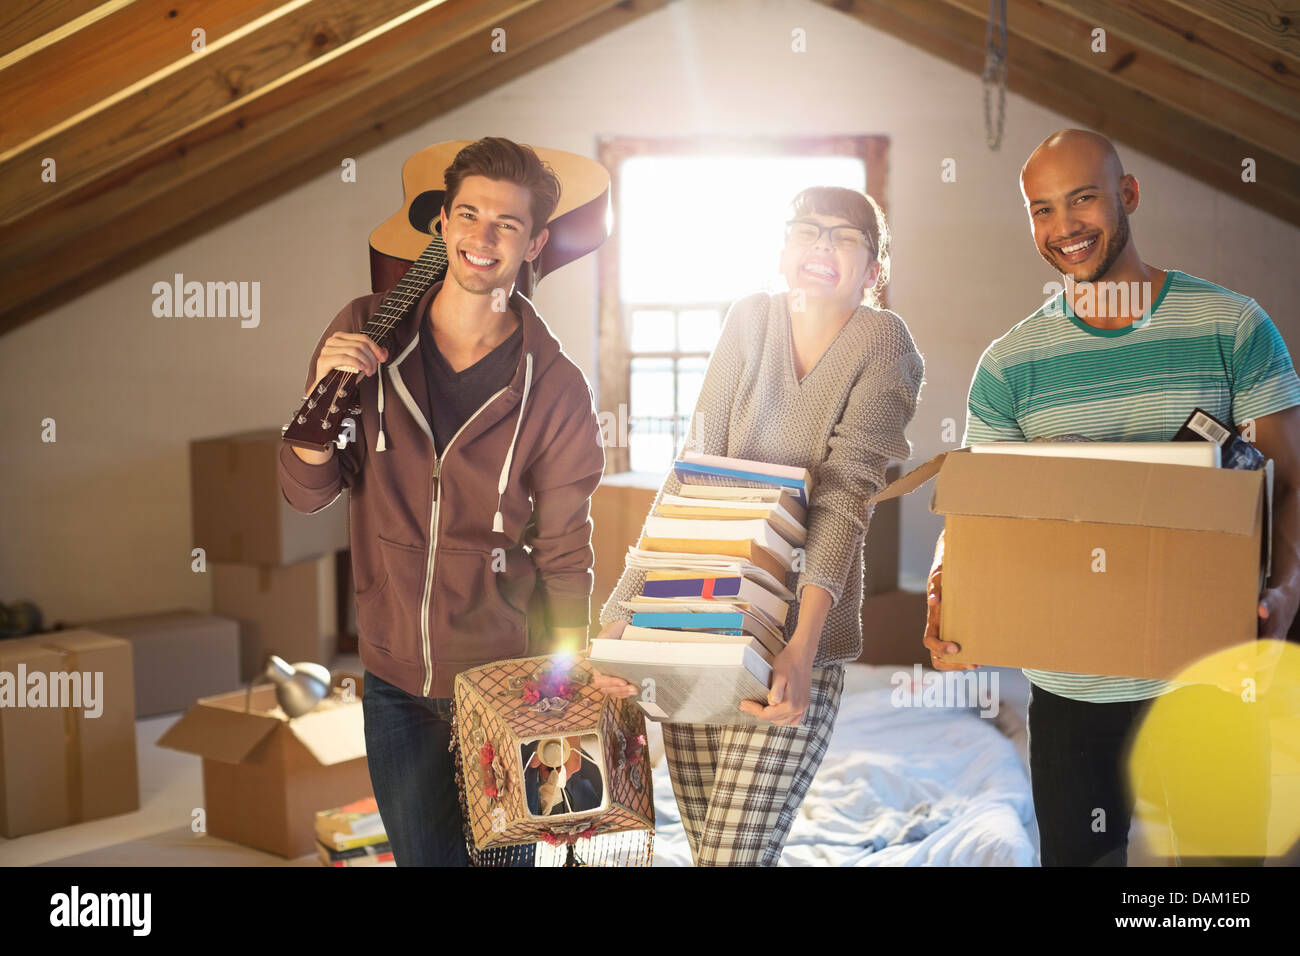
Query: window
697, 223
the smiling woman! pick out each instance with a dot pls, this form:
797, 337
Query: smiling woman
818, 378
692, 229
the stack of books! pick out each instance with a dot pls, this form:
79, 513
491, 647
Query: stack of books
353, 835
711, 617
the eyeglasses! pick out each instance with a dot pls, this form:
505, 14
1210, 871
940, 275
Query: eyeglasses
802, 232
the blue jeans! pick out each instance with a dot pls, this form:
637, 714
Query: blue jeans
414, 778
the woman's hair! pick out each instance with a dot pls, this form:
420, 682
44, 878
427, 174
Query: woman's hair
501, 159
859, 209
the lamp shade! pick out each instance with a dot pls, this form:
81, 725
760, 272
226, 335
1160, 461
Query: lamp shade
298, 687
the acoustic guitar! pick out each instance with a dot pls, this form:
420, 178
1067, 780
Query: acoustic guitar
407, 256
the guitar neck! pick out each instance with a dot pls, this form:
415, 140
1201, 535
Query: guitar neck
397, 304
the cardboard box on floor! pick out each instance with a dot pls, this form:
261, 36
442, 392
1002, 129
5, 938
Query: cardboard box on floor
59, 766
1095, 567
239, 512
893, 623
618, 511
264, 776
178, 657
291, 611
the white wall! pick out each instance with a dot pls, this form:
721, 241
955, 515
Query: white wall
98, 523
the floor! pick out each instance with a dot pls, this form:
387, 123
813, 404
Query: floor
171, 787
158, 834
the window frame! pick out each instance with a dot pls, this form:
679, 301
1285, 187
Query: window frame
614, 358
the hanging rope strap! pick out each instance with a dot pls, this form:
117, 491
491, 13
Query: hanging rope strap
995, 72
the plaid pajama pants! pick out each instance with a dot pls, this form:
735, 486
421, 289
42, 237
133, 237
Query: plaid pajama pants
738, 788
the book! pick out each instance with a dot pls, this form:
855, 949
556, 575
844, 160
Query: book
349, 822
692, 564
725, 621
757, 530
694, 468
373, 849
723, 588
663, 635
338, 842
698, 602
715, 494
380, 854
1203, 454
718, 549
781, 520
1234, 451
684, 682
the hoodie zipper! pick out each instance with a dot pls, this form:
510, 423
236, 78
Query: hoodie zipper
434, 513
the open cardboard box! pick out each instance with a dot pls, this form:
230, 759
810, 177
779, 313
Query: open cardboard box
264, 776
1096, 567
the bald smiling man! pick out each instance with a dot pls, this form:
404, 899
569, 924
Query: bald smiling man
1153, 344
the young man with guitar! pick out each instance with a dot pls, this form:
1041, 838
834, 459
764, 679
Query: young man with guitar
469, 487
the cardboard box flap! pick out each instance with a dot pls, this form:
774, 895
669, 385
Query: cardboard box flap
913, 479
218, 732
332, 735
70, 641
1110, 492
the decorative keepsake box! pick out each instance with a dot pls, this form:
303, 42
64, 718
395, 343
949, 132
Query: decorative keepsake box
545, 758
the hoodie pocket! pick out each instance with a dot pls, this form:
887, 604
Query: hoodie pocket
473, 620
388, 611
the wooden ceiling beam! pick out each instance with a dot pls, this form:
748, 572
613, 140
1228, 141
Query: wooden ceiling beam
1163, 80
125, 47
1177, 34
1127, 116
299, 61
29, 25
1272, 23
395, 63
47, 273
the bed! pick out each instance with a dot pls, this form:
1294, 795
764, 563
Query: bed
901, 786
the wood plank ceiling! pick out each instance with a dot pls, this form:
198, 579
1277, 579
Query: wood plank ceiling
155, 138
154, 141
1200, 85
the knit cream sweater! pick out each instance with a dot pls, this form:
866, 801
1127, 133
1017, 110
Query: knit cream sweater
844, 422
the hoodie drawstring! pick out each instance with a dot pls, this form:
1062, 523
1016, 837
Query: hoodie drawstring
381, 444
498, 524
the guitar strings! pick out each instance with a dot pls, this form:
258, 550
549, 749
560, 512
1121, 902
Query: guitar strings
399, 296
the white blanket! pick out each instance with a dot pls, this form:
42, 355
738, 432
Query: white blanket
901, 786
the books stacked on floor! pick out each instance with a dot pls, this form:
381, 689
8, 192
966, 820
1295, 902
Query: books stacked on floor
711, 616
353, 835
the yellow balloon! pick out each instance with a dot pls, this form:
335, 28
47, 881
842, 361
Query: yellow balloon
1215, 766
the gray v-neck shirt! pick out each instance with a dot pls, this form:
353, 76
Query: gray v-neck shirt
844, 422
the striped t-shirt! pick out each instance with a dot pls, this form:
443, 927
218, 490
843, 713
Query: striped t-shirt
1199, 345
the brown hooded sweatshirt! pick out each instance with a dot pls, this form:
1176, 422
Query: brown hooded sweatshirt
473, 557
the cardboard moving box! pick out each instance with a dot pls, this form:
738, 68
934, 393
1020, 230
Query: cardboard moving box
893, 624
291, 611
60, 764
1095, 567
241, 515
265, 776
179, 656
618, 510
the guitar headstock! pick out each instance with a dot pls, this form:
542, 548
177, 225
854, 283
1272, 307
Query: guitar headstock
316, 425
